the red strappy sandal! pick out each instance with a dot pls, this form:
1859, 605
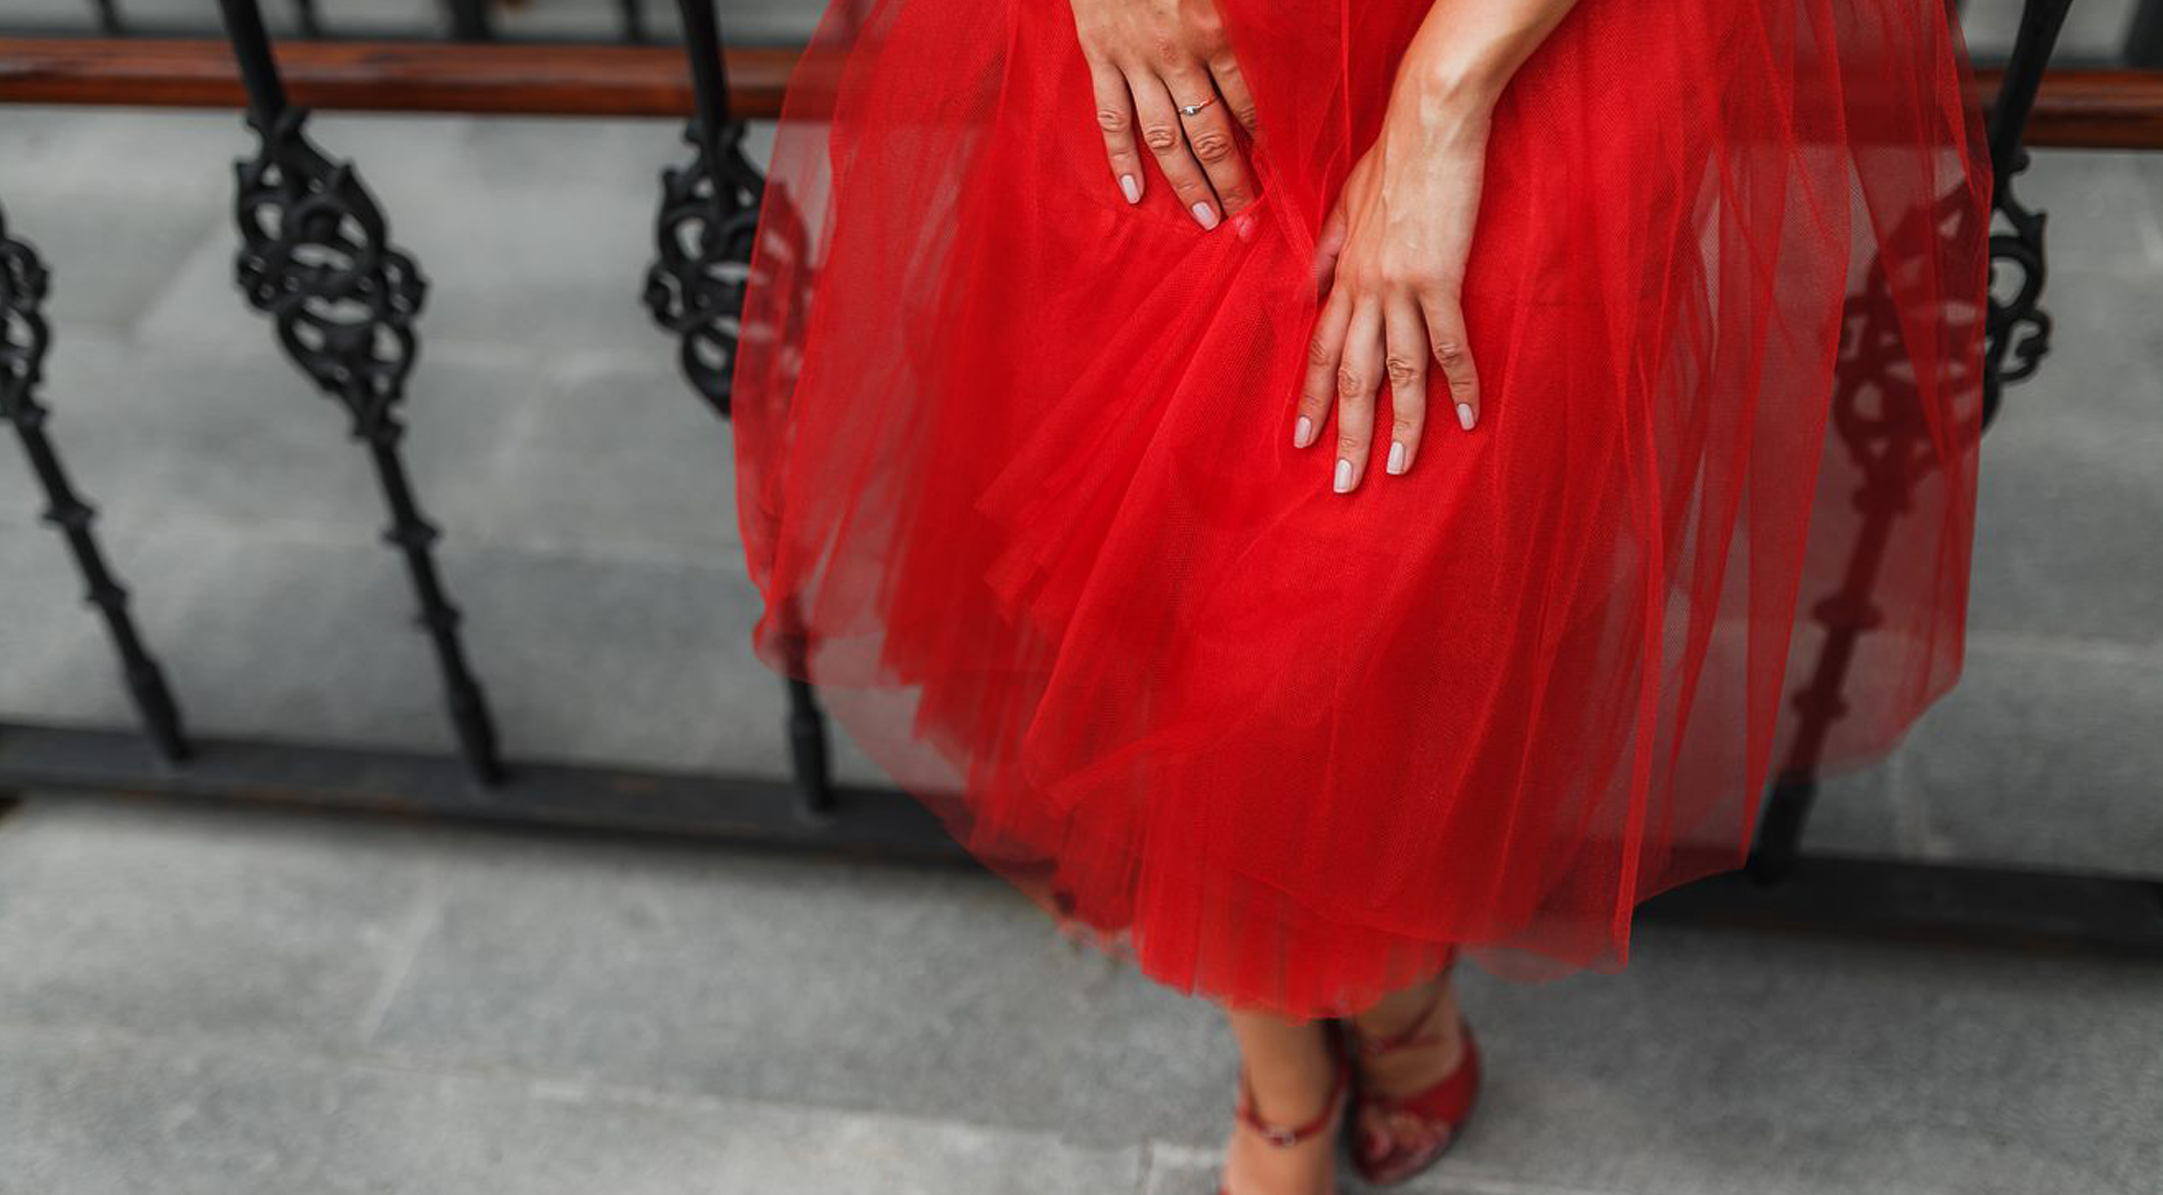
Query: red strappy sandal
1287, 1135
1441, 1109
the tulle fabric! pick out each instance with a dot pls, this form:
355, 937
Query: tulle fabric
1018, 488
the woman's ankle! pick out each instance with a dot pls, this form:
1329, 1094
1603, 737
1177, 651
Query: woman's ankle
1289, 1069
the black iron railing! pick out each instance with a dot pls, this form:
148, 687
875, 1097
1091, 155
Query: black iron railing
316, 257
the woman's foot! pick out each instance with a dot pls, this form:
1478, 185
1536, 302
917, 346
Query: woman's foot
1296, 1082
1414, 1040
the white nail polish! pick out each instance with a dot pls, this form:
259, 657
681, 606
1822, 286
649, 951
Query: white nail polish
1344, 475
1396, 456
1206, 214
1303, 432
1464, 415
1132, 189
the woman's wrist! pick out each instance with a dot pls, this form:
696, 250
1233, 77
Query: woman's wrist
1441, 102
1439, 110
1448, 89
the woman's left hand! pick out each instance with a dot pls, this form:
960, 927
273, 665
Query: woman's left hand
1391, 259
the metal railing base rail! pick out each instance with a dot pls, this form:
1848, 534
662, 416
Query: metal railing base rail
40, 758
1851, 897
1931, 903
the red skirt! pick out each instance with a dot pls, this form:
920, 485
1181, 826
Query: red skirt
1018, 487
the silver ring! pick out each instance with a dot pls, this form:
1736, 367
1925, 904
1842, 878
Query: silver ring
1191, 109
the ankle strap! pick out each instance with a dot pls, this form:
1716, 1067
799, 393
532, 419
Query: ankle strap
1405, 1036
1286, 1135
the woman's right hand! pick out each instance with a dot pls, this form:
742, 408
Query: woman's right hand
1392, 255
1149, 58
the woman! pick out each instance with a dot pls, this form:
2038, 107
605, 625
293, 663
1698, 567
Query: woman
1306, 489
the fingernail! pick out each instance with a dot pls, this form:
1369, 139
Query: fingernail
1344, 475
1132, 189
1243, 224
1206, 214
1396, 456
1464, 415
1303, 432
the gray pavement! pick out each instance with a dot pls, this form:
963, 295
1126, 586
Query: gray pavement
224, 1000
239, 1001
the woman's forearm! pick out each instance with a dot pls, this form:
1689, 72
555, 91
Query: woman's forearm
1466, 50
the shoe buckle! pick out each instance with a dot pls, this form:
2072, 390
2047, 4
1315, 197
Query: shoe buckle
1277, 1134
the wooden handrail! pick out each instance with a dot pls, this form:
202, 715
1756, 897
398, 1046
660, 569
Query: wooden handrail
2094, 109
2089, 109
502, 78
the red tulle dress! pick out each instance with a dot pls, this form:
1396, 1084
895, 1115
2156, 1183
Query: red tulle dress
1018, 487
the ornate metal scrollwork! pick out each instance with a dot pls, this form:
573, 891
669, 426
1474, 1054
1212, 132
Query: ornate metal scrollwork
1876, 405
316, 258
23, 332
24, 338
2019, 327
695, 289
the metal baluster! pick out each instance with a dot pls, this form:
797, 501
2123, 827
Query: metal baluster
809, 758
110, 22
1874, 411
1892, 448
316, 257
23, 341
305, 16
711, 211
2144, 37
633, 15
470, 20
